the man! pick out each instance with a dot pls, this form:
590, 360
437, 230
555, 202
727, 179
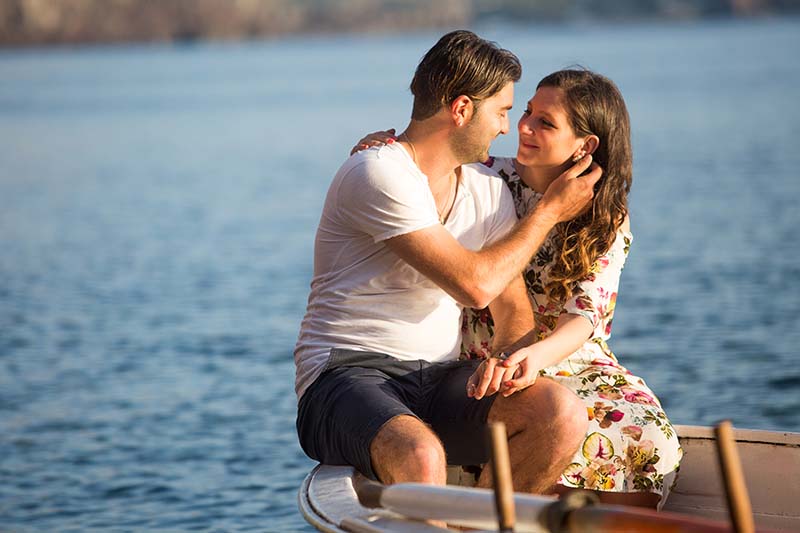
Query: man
409, 234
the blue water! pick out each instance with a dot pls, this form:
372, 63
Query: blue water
157, 210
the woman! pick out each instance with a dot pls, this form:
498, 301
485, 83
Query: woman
631, 452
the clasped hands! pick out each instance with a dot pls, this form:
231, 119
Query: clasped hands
503, 374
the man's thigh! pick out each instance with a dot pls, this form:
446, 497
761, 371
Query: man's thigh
343, 410
458, 420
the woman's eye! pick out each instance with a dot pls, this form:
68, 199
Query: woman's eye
526, 112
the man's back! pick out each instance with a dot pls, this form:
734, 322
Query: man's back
363, 296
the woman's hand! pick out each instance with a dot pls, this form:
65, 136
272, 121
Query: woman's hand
378, 138
527, 370
489, 377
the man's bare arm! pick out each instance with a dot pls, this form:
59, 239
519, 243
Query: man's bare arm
513, 316
476, 278
513, 320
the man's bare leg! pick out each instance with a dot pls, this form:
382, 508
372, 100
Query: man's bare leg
407, 450
545, 423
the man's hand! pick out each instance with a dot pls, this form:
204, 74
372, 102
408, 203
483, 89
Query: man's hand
489, 377
526, 370
571, 194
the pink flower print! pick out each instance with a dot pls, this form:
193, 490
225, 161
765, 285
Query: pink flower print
584, 303
599, 410
604, 362
634, 432
636, 396
602, 293
611, 417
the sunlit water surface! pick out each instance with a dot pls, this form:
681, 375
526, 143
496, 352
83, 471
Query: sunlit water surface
157, 212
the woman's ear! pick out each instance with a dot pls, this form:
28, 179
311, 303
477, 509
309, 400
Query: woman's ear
590, 144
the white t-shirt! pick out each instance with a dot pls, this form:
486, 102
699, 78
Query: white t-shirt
363, 296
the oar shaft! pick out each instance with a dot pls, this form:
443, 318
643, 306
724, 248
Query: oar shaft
605, 519
501, 472
735, 487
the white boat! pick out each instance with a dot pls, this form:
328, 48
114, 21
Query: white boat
770, 461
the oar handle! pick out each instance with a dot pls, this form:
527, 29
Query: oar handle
735, 488
501, 473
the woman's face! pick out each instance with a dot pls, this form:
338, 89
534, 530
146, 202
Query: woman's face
546, 139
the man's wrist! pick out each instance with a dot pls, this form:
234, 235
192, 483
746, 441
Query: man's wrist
544, 216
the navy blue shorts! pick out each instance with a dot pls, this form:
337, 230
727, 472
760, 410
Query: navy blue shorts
342, 411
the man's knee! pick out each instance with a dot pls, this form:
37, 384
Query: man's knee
405, 449
571, 420
546, 406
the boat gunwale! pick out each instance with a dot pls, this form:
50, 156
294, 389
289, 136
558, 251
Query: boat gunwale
320, 519
314, 516
755, 436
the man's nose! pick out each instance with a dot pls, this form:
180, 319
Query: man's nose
504, 126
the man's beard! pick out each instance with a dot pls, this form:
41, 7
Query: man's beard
468, 145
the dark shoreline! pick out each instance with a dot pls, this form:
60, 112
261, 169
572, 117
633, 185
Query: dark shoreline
25, 23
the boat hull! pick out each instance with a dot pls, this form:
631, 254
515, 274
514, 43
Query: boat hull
770, 460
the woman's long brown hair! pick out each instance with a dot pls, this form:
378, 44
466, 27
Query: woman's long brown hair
594, 106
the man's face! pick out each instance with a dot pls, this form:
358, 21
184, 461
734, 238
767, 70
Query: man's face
471, 142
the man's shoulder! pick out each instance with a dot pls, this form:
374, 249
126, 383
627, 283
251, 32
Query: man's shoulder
480, 169
373, 163
481, 179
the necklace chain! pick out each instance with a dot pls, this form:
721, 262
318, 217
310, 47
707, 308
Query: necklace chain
448, 204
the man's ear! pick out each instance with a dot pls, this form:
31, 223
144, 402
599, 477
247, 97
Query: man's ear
462, 109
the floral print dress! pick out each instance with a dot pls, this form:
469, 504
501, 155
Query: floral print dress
630, 445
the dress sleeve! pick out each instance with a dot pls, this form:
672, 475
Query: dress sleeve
596, 296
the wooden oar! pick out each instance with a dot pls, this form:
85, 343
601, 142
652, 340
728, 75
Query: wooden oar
475, 508
733, 478
501, 475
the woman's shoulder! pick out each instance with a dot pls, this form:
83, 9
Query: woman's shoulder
625, 228
504, 166
623, 239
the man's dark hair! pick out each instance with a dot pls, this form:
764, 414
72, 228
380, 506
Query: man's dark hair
461, 63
